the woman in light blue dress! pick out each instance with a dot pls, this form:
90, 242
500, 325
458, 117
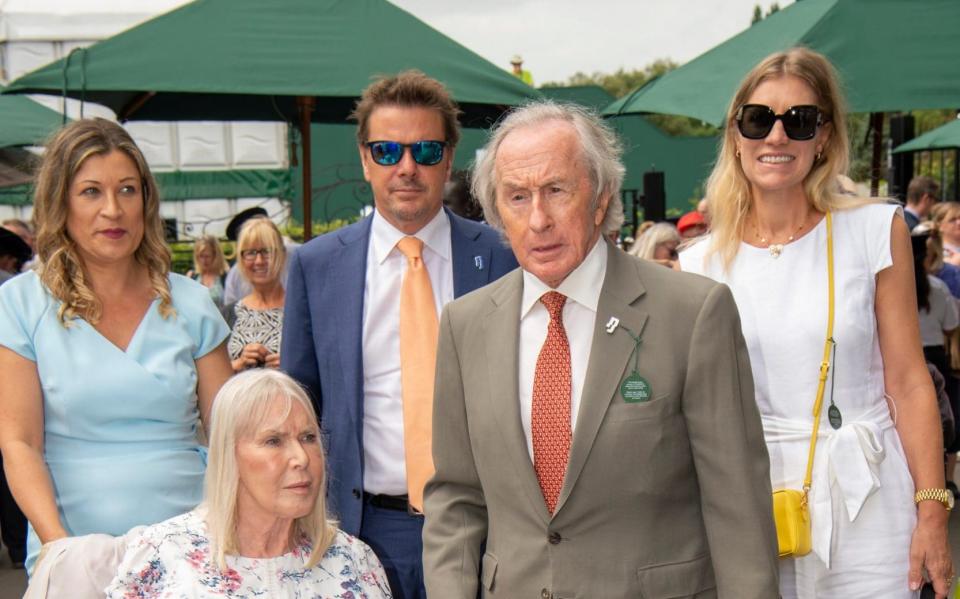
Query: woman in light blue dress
109, 360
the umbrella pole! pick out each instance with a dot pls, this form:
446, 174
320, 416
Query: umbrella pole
305, 106
876, 124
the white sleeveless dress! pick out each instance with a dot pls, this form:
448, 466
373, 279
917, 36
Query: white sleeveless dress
862, 508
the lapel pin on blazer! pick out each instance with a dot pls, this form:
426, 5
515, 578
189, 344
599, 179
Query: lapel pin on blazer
478, 262
612, 325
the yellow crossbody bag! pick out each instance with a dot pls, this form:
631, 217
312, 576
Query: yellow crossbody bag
790, 509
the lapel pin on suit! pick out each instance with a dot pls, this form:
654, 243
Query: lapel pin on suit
478, 262
612, 325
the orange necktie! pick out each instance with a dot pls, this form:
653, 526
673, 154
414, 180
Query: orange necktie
418, 360
550, 414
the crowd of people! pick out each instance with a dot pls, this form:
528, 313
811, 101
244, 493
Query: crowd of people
421, 404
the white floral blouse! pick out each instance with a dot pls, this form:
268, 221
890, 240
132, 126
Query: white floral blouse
171, 560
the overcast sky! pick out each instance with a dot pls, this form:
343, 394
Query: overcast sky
557, 38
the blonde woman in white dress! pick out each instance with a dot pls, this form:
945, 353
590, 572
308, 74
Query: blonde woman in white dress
774, 182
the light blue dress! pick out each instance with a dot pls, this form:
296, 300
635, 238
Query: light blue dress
119, 427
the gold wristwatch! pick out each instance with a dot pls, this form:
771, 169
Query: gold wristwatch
944, 496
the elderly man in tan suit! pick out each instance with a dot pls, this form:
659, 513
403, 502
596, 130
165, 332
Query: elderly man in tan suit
594, 418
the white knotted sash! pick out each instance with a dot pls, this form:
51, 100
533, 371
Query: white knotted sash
848, 472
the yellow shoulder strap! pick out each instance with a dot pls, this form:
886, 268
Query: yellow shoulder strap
825, 364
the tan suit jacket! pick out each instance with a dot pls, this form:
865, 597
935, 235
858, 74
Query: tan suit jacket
664, 498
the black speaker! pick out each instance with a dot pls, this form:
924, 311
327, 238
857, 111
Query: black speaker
902, 130
169, 230
654, 196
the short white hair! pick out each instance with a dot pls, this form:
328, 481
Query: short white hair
238, 410
599, 143
646, 244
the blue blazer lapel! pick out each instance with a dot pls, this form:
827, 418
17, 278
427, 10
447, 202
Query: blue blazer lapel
348, 278
471, 260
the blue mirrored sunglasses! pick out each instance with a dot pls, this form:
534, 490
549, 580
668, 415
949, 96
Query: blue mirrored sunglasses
388, 153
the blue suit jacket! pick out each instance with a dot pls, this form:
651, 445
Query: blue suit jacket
323, 331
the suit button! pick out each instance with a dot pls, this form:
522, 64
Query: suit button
554, 538
545, 594
356, 493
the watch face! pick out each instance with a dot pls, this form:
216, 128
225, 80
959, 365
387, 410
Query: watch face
949, 499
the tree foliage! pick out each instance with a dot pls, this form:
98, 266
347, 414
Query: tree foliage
758, 12
621, 82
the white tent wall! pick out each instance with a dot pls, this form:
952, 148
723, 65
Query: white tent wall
36, 32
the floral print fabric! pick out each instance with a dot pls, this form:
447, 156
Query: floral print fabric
171, 560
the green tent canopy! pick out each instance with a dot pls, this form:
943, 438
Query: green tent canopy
945, 137
591, 96
891, 55
684, 161
24, 122
194, 185
234, 60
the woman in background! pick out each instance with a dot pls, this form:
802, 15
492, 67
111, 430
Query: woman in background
257, 319
658, 243
209, 267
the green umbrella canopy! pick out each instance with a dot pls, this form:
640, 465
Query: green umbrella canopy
250, 59
945, 137
24, 122
591, 96
891, 55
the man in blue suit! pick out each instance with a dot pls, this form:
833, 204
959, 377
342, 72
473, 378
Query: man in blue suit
342, 323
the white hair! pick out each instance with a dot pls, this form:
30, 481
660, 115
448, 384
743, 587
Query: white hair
599, 143
238, 410
646, 245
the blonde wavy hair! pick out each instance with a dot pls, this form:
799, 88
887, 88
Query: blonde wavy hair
61, 268
239, 411
728, 188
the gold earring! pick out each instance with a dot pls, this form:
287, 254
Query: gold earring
819, 154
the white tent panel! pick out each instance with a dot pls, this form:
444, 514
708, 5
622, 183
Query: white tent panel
156, 141
202, 145
258, 145
60, 20
23, 57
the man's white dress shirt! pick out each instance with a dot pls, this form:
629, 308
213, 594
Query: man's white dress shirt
582, 288
384, 468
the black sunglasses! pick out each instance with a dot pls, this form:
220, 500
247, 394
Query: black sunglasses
388, 153
800, 123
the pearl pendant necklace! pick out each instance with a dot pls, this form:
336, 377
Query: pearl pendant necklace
776, 248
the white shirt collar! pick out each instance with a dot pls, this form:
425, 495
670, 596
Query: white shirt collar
434, 235
583, 285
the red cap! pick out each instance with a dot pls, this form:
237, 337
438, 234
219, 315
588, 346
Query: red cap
690, 219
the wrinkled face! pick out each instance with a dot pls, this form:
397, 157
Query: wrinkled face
105, 209
280, 466
778, 163
666, 250
544, 194
408, 195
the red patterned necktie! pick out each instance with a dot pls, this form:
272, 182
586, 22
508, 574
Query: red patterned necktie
550, 414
